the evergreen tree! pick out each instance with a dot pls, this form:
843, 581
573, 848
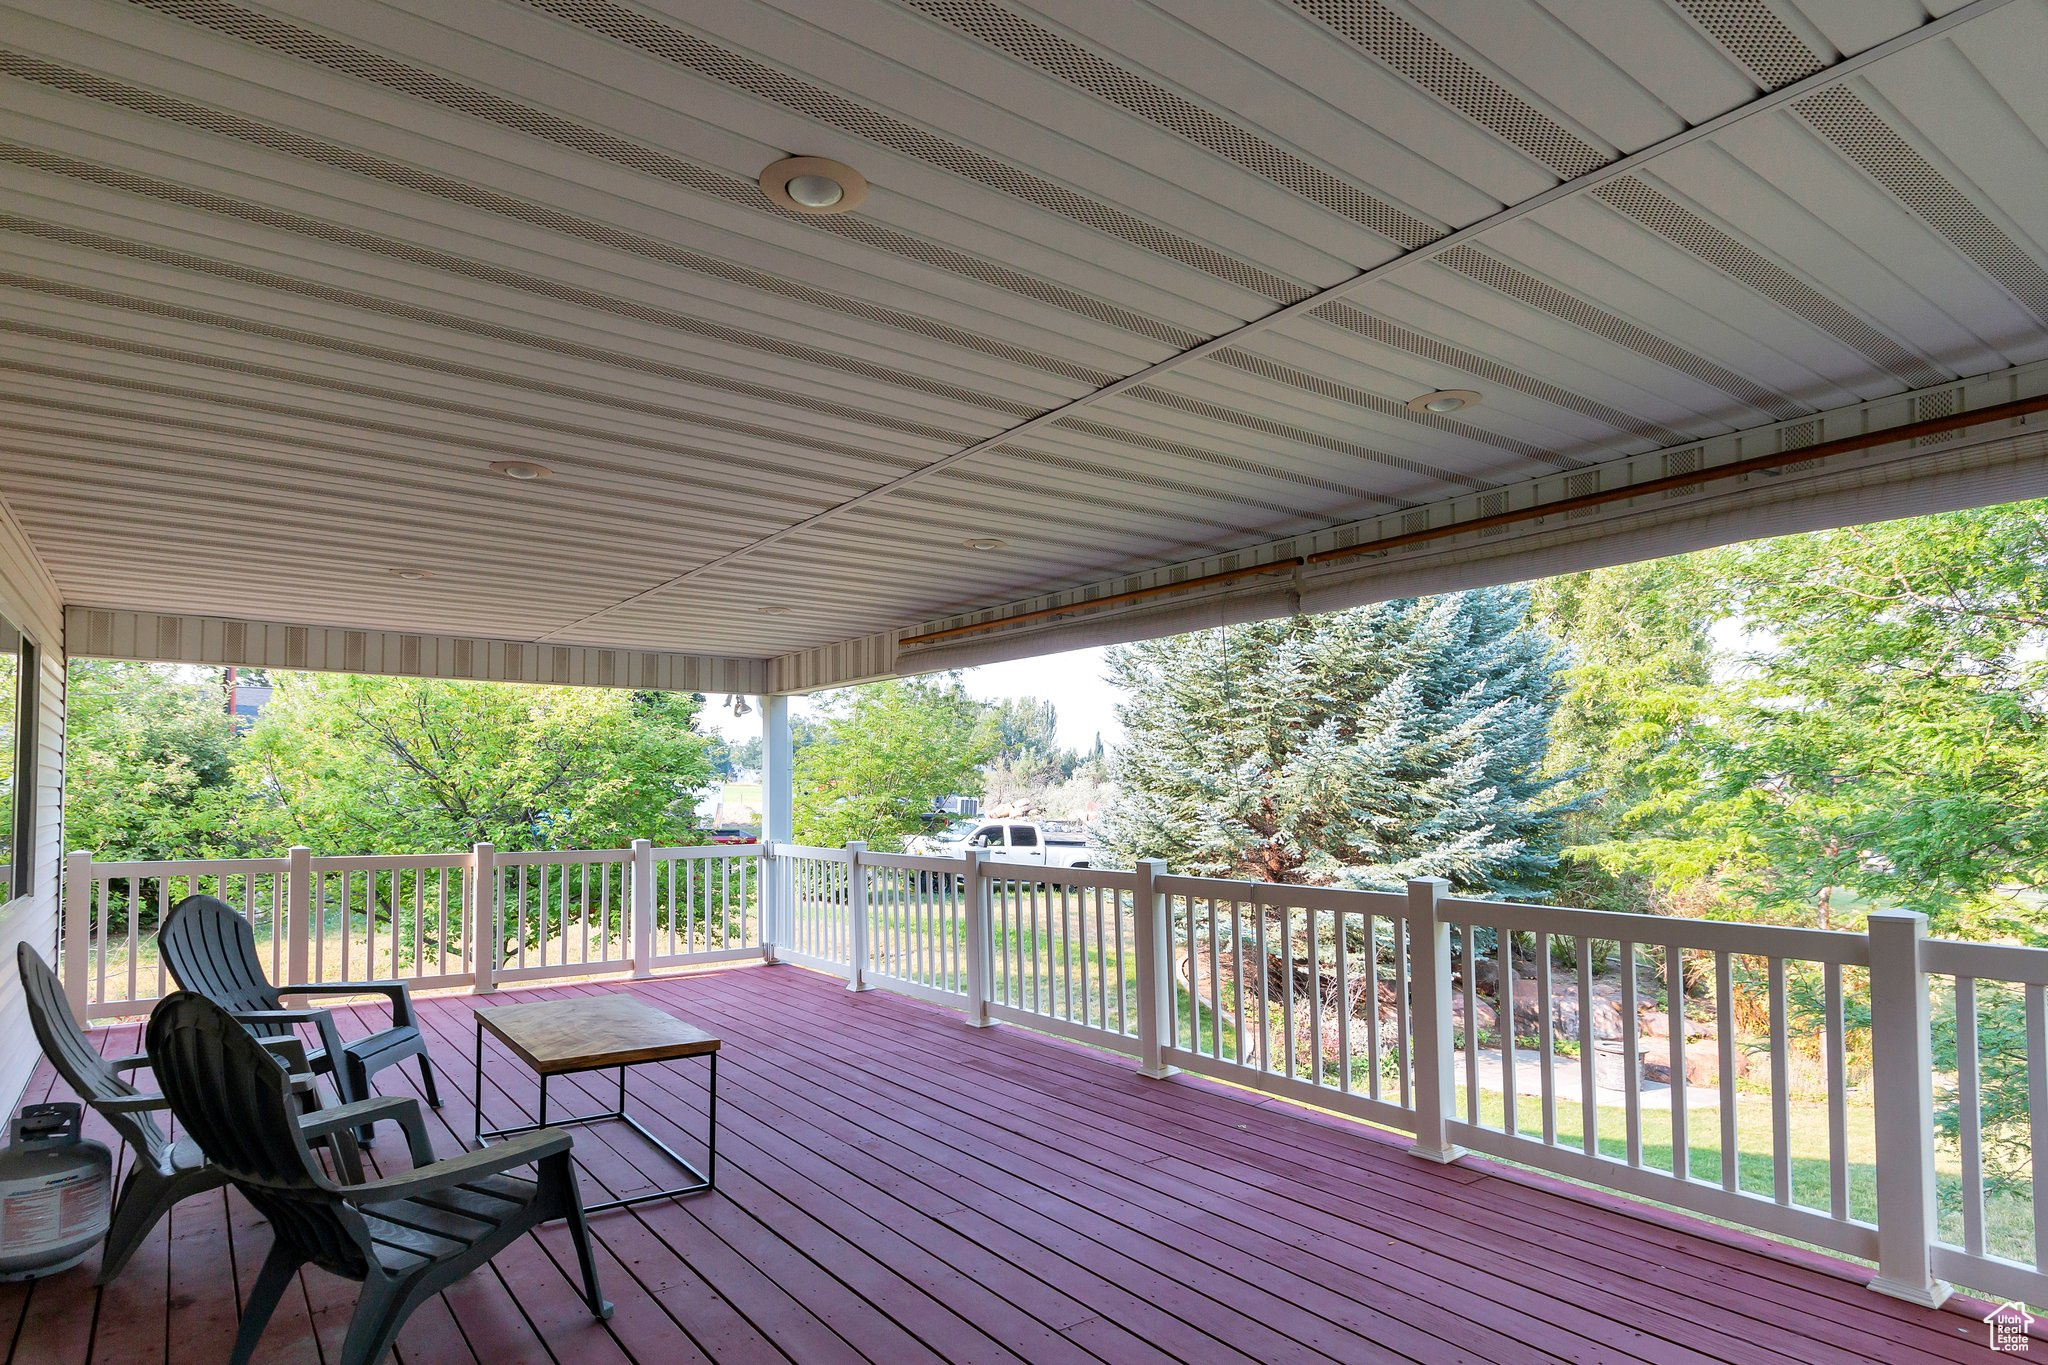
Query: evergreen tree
1358, 748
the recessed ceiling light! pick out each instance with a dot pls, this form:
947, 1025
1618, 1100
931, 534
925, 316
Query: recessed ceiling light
526, 471
775, 611
412, 575
984, 543
814, 184
1444, 401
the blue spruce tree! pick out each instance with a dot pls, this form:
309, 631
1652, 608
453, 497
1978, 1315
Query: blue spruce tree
1360, 748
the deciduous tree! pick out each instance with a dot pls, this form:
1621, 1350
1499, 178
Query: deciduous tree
878, 757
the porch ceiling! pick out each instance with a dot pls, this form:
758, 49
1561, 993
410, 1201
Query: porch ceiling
282, 281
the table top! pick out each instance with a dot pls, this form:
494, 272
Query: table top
593, 1032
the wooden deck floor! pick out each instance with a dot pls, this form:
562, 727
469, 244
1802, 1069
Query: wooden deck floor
896, 1187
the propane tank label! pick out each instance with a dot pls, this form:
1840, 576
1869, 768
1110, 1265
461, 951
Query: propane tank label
53, 1212
80, 1204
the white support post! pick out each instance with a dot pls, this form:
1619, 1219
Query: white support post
974, 888
1429, 978
778, 826
483, 917
857, 916
1902, 1078
77, 933
643, 909
1155, 968
299, 914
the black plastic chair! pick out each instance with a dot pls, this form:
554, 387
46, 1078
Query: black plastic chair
405, 1238
165, 1171
211, 950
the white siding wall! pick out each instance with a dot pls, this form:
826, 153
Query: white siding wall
29, 598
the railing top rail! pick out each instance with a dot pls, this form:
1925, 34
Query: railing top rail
1985, 961
1106, 878
822, 855
555, 857
686, 851
186, 867
1720, 936
916, 862
382, 862
1285, 894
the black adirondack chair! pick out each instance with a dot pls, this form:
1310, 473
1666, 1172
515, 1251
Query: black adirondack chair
163, 1171
211, 950
404, 1238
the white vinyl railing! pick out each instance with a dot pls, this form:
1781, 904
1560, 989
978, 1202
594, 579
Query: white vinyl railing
1997, 1011
1296, 990
1064, 951
708, 904
1682, 975
1705, 1065
814, 887
416, 916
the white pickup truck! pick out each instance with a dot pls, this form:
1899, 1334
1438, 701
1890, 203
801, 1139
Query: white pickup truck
1011, 841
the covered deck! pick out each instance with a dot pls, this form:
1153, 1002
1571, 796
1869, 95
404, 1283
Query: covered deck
896, 1186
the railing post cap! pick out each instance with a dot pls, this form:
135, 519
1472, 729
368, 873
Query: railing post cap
1440, 883
1896, 922
643, 843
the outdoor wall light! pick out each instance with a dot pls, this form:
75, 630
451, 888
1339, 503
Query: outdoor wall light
814, 184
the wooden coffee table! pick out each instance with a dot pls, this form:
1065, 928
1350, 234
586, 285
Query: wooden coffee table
600, 1033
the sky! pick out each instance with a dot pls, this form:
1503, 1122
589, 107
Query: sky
1072, 682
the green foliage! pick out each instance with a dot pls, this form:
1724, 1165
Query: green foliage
879, 756
1887, 737
348, 764
1636, 643
729, 758
1361, 747
146, 761
2005, 1095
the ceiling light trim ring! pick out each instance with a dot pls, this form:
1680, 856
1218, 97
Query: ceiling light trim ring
793, 183
1443, 402
522, 471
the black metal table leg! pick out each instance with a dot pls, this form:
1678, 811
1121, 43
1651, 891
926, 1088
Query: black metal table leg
702, 1181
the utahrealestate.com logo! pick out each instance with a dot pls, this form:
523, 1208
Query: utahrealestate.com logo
2008, 1324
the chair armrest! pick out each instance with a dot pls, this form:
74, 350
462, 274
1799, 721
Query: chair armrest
513, 1152
401, 1109
290, 1049
280, 1016
392, 986
131, 1104
397, 992
140, 1059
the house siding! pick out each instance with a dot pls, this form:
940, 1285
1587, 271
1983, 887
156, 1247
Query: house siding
29, 597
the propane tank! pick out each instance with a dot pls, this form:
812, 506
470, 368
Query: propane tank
54, 1186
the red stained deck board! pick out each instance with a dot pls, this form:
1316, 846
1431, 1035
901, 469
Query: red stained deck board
1756, 1286
1463, 1277
895, 1186
1213, 1270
